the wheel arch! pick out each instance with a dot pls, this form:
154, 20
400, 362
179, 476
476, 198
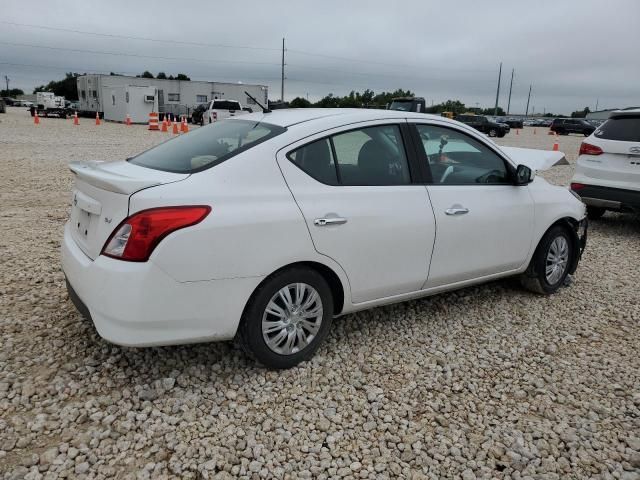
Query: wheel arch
570, 224
331, 277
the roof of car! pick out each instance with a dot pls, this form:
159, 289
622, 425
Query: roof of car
290, 116
625, 112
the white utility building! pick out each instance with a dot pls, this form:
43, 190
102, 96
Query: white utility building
116, 96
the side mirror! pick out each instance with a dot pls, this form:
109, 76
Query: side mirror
524, 175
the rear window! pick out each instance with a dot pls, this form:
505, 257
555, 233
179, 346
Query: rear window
206, 146
226, 105
401, 105
625, 129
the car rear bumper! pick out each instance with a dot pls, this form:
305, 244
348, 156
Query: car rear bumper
137, 304
610, 198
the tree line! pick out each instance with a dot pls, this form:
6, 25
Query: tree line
67, 87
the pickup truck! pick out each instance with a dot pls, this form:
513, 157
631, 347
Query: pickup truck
484, 125
220, 109
408, 104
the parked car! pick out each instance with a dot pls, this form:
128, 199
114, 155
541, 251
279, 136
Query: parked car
8, 101
512, 122
196, 114
264, 227
565, 126
484, 125
607, 174
221, 109
506, 126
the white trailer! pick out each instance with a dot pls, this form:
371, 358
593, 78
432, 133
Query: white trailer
136, 102
177, 97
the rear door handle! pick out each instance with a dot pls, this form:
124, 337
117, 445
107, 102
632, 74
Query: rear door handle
456, 211
322, 222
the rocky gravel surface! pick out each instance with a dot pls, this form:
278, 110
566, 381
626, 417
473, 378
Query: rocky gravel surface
487, 382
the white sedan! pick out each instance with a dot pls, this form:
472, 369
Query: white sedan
266, 227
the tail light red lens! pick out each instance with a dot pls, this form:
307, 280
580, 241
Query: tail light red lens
588, 149
137, 236
577, 186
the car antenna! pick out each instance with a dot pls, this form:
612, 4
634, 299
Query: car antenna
264, 110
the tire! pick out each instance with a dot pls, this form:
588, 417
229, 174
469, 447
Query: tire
535, 278
493, 132
251, 335
594, 213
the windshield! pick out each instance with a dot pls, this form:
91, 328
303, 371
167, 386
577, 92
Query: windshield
625, 129
226, 105
402, 105
206, 146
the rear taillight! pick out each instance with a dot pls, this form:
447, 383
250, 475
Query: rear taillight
137, 236
588, 149
577, 186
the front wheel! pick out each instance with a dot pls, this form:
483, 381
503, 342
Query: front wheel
551, 261
493, 132
287, 318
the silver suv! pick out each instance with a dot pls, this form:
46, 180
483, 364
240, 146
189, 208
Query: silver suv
607, 175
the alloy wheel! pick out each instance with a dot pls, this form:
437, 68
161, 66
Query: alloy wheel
557, 260
292, 318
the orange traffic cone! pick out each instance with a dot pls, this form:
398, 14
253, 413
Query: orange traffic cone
169, 122
556, 147
75, 119
128, 120
184, 127
36, 118
97, 118
175, 128
164, 126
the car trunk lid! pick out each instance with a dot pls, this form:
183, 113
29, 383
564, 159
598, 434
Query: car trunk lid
100, 199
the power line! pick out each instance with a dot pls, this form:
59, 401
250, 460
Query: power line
129, 37
214, 45
122, 54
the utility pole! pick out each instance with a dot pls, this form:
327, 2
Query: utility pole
7, 80
528, 98
597, 100
495, 110
510, 87
282, 84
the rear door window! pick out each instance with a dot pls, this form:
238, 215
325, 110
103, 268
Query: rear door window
624, 129
367, 156
207, 146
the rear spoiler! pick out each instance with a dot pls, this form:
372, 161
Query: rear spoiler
99, 174
538, 160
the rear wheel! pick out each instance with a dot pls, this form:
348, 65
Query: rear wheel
287, 318
550, 264
594, 213
493, 132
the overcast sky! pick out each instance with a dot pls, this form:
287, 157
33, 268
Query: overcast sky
574, 52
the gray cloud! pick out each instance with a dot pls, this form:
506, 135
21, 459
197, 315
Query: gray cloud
574, 52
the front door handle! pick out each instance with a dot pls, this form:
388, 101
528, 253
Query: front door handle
456, 211
322, 222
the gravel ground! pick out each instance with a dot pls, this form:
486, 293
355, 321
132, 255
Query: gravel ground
487, 382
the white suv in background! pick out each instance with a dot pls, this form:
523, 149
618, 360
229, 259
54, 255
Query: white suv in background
608, 172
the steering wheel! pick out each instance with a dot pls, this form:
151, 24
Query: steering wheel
496, 174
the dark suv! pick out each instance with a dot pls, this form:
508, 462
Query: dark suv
565, 126
484, 125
